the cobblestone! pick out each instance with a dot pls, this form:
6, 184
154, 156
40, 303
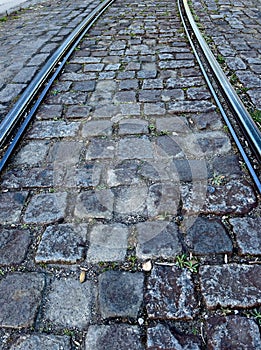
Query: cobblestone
113, 337
14, 245
126, 170
120, 294
64, 299
43, 342
234, 286
20, 299
170, 294
233, 332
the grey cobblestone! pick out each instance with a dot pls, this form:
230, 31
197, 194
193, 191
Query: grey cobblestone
113, 337
20, 298
14, 245
62, 244
11, 205
107, 243
43, 342
46, 208
120, 294
63, 300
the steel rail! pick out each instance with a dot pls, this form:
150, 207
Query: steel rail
247, 124
19, 109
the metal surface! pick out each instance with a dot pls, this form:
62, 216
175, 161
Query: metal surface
247, 124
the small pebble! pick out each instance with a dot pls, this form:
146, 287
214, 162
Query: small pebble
147, 266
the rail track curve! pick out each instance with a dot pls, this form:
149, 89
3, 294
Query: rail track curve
15, 123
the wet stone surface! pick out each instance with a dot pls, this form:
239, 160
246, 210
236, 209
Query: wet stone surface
120, 294
113, 337
235, 286
170, 294
20, 298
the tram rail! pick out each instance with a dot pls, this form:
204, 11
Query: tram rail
20, 116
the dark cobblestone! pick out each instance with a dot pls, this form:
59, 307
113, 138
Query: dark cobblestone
14, 245
233, 286
20, 298
247, 231
162, 337
208, 237
113, 337
233, 332
170, 294
120, 294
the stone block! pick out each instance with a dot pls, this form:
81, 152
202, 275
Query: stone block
14, 245
107, 243
11, 205
94, 204
157, 239
120, 294
62, 244
20, 298
170, 294
46, 208
208, 236
70, 303
42, 341
247, 231
232, 332
233, 286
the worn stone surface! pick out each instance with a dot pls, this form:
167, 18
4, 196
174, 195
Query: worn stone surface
157, 239
113, 337
32, 153
20, 298
133, 126
135, 148
49, 207
69, 303
170, 294
62, 244
130, 200
25, 178
235, 286
107, 243
94, 204
233, 332
247, 231
97, 128
53, 129
120, 294
11, 205
162, 337
14, 245
43, 342
208, 236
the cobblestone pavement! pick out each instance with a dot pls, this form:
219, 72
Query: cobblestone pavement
236, 32
128, 220
29, 37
